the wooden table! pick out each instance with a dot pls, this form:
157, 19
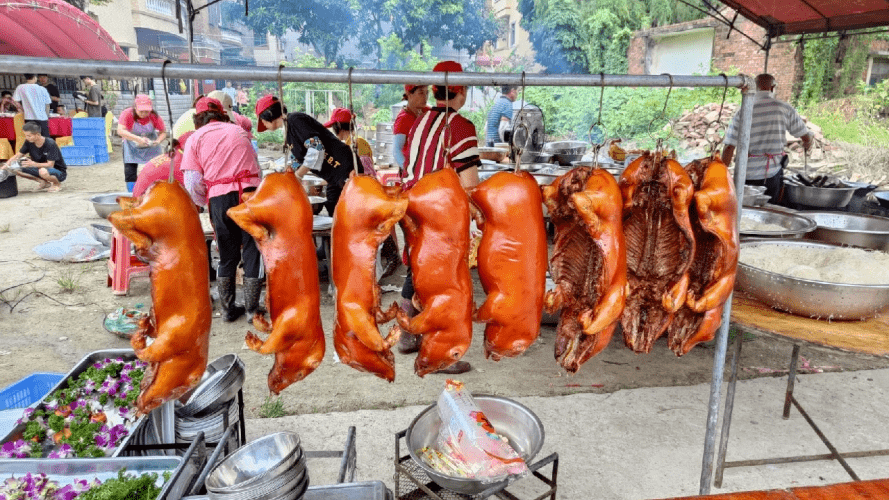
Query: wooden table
869, 337
860, 490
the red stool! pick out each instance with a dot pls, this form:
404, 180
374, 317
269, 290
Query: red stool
122, 266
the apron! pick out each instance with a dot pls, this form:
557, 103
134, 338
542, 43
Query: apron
133, 153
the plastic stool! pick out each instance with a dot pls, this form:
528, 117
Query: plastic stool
122, 266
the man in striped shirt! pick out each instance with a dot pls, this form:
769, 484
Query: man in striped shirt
772, 120
443, 138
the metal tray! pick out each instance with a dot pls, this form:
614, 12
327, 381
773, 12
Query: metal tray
80, 367
857, 230
69, 470
367, 490
795, 225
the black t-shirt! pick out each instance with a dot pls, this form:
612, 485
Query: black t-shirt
53, 92
49, 151
337, 163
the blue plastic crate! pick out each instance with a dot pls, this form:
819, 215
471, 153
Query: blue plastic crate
80, 161
28, 390
90, 142
102, 158
88, 134
87, 124
77, 151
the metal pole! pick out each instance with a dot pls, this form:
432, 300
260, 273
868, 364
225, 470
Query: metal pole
117, 69
722, 339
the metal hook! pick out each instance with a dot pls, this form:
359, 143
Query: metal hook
447, 146
520, 120
715, 143
663, 113
284, 147
519, 150
352, 125
169, 148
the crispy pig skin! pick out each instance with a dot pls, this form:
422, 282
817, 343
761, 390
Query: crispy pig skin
588, 263
164, 226
712, 274
436, 228
657, 193
363, 219
512, 261
279, 218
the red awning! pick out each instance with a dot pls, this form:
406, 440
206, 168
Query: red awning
783, 17
53, 28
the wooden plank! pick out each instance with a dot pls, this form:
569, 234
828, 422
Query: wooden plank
862, 490
864, 337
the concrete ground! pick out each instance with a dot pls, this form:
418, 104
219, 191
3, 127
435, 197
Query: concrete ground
647, 442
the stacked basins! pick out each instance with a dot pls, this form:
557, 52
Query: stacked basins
272, 467
383, 155
213, 403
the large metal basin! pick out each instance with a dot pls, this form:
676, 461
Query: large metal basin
815, 299
566, 147
818, 197
857, 230
105, 204
516, 422
795, 226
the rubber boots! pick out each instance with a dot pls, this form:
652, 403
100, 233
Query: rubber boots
252, 291
226, 288
408, 343
130, 186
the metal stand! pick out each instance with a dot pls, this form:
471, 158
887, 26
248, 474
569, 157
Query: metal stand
411, 483
348, 457
789, 400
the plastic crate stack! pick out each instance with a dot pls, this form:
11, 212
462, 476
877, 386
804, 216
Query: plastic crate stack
90, 145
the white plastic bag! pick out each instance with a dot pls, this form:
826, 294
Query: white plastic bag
79, 245
468, 445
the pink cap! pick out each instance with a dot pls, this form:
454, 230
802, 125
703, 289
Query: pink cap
143, 103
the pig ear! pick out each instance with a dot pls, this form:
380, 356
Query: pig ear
247, 195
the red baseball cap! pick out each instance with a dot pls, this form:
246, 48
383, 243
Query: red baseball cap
408, 88
264, 103
339, 115
449, 67
208, 104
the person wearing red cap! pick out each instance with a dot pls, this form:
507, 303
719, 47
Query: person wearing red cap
341, 125
313, 146
158, 169
416, 96
142, 131
219, 165
440, 138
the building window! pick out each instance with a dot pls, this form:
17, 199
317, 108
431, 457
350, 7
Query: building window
513, 26
260, 39
879, 70
160, 6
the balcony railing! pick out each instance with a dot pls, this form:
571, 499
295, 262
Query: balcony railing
160, 6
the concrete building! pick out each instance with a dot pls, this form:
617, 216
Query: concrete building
514, 40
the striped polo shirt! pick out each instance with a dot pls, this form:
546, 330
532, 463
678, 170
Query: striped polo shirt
772, 120
429, 141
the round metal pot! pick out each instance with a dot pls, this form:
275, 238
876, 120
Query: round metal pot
818, 197
795, 225
105, 204
857, 230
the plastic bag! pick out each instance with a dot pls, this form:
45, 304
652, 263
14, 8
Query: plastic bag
79, 245
467, 444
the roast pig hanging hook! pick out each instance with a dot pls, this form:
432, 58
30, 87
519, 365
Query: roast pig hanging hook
352, 125
284, 127
717, 139
170, 113
663, 113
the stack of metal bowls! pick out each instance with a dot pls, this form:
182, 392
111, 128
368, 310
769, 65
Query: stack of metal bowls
272, 467
564, 152
213, 402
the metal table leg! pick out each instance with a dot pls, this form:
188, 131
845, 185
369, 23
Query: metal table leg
791, 379
727, 413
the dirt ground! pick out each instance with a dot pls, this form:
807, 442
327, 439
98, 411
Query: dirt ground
44, 328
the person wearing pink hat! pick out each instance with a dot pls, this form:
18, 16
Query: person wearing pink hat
218, 166
312, 146
417, 97
142, 131
459, 141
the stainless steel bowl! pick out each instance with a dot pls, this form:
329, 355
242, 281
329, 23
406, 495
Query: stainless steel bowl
818, 197
102, 233
317, 202
254, 463
544, 179
514, 421
566, 159
222, 380
882, 198
566, 147
795, 225
105, 204
815, 299
493, 154
537, 157
864, 231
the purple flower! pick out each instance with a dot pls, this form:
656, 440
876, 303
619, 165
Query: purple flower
64, 451
15, 449
26, 416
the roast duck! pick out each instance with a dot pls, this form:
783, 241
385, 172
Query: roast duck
436, 229
588, 263
512, 261
164, 226
279, 217
660, 242
712, 274
363, 219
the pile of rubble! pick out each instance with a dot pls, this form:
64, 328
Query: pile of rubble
697, 128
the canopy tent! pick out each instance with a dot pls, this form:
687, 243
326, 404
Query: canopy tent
786, 17
53, 28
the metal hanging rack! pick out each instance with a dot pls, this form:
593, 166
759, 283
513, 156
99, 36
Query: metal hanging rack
21, 64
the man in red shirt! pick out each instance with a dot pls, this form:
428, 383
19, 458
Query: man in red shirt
440, 138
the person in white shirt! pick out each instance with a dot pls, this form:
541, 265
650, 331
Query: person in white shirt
35, 101
772, 120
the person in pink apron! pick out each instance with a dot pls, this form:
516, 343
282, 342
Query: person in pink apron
218, 166
141, 131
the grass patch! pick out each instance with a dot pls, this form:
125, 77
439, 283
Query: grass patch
69, 280
5, 228
272, 408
